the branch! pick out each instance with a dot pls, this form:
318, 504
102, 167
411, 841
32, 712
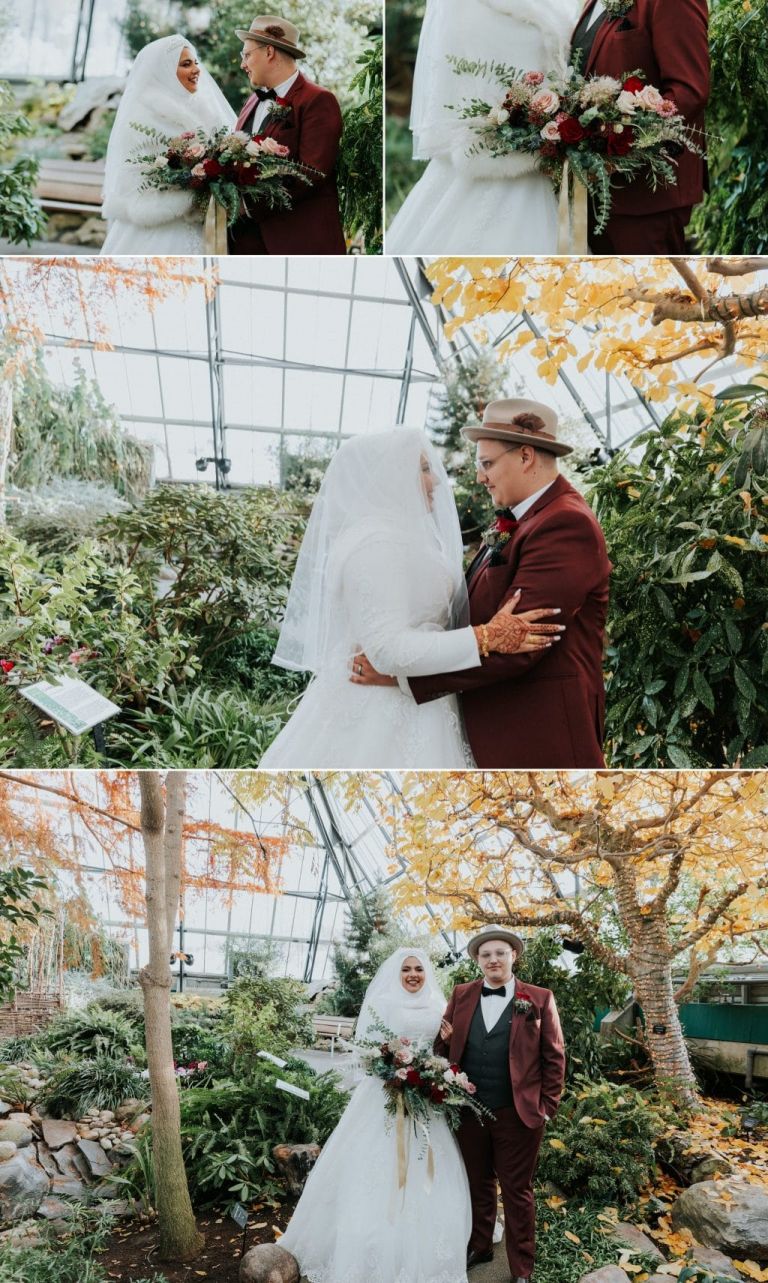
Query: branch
717, 911
15, 778
735, 266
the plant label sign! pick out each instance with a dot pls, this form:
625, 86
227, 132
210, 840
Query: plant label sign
239, 1215
72, 703
275, 1060
291, 1089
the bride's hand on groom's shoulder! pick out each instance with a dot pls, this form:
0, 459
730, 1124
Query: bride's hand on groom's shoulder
363, 673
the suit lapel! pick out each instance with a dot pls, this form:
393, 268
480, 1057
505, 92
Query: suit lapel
246, 111
274, 122
603, 32
468, 1009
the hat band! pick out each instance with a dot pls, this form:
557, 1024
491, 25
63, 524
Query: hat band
525, 432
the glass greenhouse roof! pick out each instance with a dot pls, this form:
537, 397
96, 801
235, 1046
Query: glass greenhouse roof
286, 354
63, 39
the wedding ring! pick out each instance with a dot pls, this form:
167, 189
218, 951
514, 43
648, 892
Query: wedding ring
359, 669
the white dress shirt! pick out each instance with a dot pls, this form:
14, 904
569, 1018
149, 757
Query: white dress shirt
597, 12
493, 1008
520, 509
262, 110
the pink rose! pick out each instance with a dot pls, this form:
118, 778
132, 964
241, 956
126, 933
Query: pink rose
551, 132
533, 78
190, 133
545, 101
198, 171
274, 148
194, 152
402, 1074
649, 97
403, 1057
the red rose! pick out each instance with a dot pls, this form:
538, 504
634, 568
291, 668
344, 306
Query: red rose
632, 84
504, 525
437, 1094
620, 144
7, 665
280, 101
258, 138
570, 130
456, 1069
413, 1078
212, 168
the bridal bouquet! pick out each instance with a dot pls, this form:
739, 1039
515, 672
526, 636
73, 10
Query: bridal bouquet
227, 166
596, 126
418, 1083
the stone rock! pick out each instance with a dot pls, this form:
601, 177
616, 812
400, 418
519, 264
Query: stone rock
46, 1160
735, 1223
25, 1234
139, 1122
69, 1187
606, 1274
105, 1142
709, 1167
715, 1261
7, 1150
58, 1132
4, 1109
20, 1116
630, 1236
17, 1132
129, 1109
94, 92
23, 1186
269, 1263
55, 1209
295, 1162
98, 1163
70, 1162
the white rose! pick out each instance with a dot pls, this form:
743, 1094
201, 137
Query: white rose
546, 101
649, 97
161, 162
253, 149
626, 103
498, 116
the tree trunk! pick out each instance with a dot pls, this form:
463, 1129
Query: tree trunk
6, 436
652, 977
162, 835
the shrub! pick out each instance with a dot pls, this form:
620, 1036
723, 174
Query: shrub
99, 1083
68, 1257
13, 1089
370, 935
198, 728
58, 516
600, 1146
571, 1240
687, 532
359, 168
93, 1032
263, 1015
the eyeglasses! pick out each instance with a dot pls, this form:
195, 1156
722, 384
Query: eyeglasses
485, 465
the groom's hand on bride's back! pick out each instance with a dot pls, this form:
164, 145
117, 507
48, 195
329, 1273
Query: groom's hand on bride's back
364, 674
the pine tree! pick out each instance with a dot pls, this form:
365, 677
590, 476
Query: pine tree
371, 933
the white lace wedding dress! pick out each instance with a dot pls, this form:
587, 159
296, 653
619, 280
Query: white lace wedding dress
143, 220
379, 574
478, 204
353, 1224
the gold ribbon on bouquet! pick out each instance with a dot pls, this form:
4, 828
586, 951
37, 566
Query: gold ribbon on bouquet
402, 1139
572, 216
215, 228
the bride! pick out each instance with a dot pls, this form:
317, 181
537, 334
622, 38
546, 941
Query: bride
353, 1224
169, 91
380, 573
478, 204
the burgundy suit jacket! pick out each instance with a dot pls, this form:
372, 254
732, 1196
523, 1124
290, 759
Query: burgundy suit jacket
669, 41
312, 132
544, 709
536, 1048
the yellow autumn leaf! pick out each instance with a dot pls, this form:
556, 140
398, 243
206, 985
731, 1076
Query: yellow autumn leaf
572, 1238
557, 1144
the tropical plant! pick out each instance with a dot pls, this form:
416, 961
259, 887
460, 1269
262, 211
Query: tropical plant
19, 905
370, 935
92, 1032
70, 1257
56, 518
99, 1083
687, 532
600, 1145
571, 1237
360, 160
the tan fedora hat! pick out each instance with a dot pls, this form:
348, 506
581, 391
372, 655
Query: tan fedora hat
271, 29
500, 423
494, 933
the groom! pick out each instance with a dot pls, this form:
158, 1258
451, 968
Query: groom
543, 709
507, 1038
668, 41
307, 120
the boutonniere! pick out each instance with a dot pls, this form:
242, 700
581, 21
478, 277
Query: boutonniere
522, 1005
497, 536
618, 8
279, 109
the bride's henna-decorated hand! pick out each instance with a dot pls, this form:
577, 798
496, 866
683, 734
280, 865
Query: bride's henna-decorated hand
507, 633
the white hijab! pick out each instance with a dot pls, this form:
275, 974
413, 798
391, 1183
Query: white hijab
372, 491
401, 1012
154, 97
531, 35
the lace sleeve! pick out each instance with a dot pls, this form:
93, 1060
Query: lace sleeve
376, 599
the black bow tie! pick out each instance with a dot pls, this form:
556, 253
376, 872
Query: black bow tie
494, 993
264, 94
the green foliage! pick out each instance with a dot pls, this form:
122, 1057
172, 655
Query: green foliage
600, 1145
21, 218
248, 957
73, 431
590, 988
360, 161
686, 529
194, 1042
263, 1015
97, 138
370, 936
403, 172
94, 1031
733, 219
71, 1257
562, 1260
99, 1083
56, 518
467, 388
17, 905
12, 1088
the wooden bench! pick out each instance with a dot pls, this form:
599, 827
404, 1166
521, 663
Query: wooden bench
335, 1028
70, 186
